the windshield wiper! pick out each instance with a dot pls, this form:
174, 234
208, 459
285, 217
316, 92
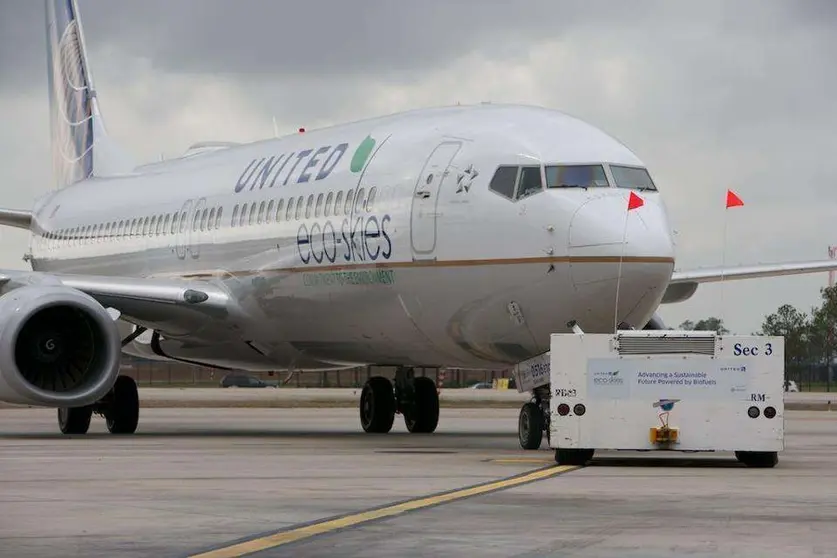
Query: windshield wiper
572, 186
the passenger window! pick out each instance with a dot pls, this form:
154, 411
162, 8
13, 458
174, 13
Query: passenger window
371, 199
151, 226
218, 217
503, 181
329, 199
234, 216
575, 176
360, 200
203, 219
290, 211
279, 207
261, 212
174, 220
318, 211
309, 207
338, 203
252, 213
243, 220
350, 195
159, 229
196, 218
269, 215
530, 182
183, 223
299, 201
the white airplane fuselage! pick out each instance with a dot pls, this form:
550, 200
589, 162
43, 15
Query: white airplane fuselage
433, 269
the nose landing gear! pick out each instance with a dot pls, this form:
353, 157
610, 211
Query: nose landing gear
533, 420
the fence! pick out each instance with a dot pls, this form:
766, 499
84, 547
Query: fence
165, 374
812, 377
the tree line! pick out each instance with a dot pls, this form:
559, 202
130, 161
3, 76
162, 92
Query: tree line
810, 337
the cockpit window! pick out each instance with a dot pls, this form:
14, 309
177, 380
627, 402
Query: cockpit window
503, 181
632, 177
530, 182
576, 176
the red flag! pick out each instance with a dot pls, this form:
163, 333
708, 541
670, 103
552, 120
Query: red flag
733, 200
634, 201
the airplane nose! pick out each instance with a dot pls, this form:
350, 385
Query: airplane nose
603, 232
601, 224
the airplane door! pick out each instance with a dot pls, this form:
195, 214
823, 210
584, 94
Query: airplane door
194, 232
180, 234
426, 197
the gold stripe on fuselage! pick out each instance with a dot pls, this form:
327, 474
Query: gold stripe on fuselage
436, 263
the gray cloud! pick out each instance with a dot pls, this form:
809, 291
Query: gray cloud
710, 94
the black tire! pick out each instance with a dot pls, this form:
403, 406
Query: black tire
530, 426
74, 420
122, 415
377, 405
578, 457
758, 459
424, 416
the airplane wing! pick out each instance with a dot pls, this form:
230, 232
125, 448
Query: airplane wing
181, 303
684, 284
17, 218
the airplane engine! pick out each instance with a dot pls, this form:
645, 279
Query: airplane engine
58, 347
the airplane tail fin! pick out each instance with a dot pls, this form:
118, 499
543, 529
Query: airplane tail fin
80, 146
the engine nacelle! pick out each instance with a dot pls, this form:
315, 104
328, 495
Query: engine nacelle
58, 347
655, 323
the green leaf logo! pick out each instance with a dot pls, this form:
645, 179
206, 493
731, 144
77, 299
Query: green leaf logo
362, 154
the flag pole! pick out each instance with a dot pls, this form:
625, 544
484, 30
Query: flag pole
723, 261
732, 201
634, 202
619, 274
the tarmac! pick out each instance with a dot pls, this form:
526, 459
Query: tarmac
308, 482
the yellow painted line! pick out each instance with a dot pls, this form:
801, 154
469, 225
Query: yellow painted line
293, 535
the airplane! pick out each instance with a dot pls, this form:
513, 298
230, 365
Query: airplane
457, 236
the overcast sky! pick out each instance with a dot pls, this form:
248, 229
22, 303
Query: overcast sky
711, 95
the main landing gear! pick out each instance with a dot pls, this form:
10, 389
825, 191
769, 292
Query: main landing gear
415, 398
120, 407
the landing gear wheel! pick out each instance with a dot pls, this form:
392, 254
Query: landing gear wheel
424, 415
75, 420
530, 426
377, 405
578, 457
122, 411
758, 459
